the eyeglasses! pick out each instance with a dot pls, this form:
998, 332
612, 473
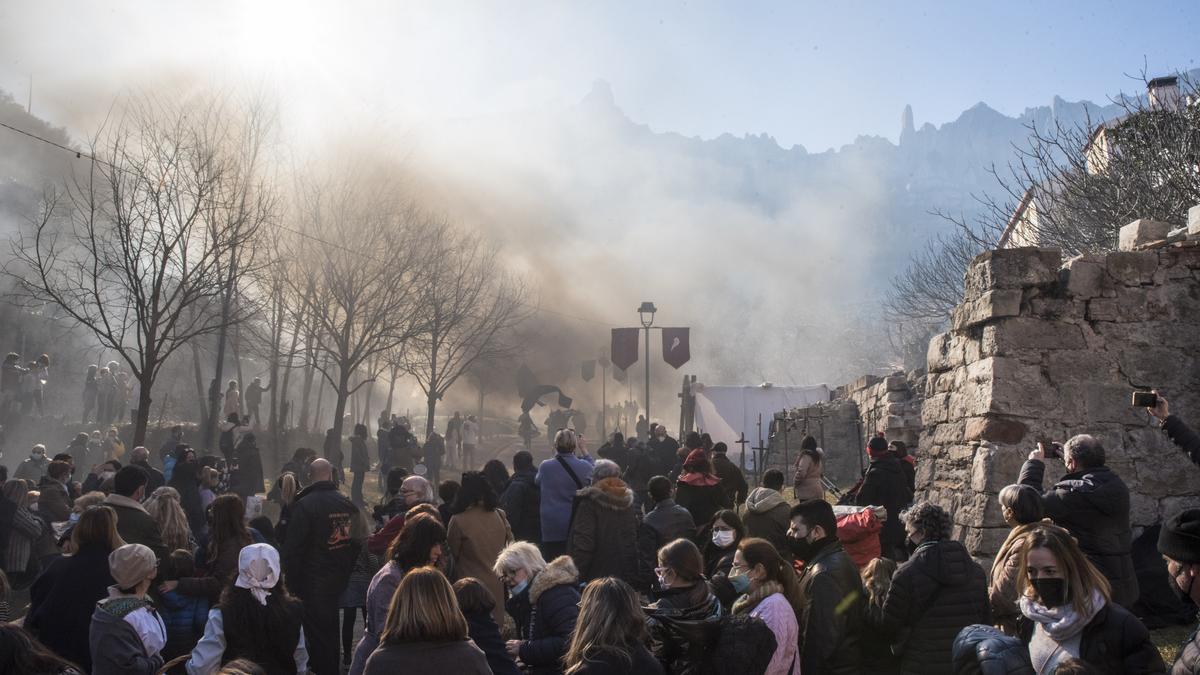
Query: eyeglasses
738, 566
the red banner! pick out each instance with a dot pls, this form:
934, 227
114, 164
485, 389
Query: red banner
676, 348
624, 347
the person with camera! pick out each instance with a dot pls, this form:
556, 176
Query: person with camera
1092, 503
1181, 434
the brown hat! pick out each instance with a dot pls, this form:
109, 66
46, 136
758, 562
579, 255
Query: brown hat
131, 564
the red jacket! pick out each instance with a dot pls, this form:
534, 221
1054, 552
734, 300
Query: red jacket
859, 534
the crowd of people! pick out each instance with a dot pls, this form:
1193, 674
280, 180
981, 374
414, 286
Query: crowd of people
652, 557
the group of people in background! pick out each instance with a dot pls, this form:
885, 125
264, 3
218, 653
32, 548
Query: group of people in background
22, 387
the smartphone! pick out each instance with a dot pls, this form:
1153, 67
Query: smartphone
1144, 399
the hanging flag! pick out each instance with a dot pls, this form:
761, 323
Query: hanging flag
618, 374
676, 349
624, 347
532, 392
589, 370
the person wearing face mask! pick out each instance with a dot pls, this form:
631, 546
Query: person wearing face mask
1179, 544
134, 523
831, 618
543, 601
935, 594
1067, 611
421, 543
34, 468
55, 502
1021, 507
771, 595
725, 531
683, 604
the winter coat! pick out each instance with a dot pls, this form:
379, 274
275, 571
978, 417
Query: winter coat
810, 466
185, 478
154, 476
433, 452
360, 461
718, 561
184, 617
62, 599
667, 522
985, 650
220, 572
641, 662
458, 657
680, 623
249, 477
617, 453
603, 536
770, 605
319, 552
81, 454
939, 591
116, 647
553, 601
768, 516
884, 485
1093, 505
1187, 660
1002, 587
858, 531
135, 525
24, 528
732, 479
475, 538
521, 502
484, 632
908, 464
1183, 436
1114, 642
558, 493
379, 600
55, 501
831, 620
31, 469
701, 500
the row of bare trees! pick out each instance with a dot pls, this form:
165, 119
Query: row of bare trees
179, 229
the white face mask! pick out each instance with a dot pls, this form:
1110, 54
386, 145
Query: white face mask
722, 539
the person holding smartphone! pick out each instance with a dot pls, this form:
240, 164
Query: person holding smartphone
1179, 432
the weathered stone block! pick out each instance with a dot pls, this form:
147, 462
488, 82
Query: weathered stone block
988, 306
1132, 267
896, 383
1012, 268
1194, 221
936, 409
1169, 506
995, 429
1022, 334
1141, 232
1152, 366
1084, 365
1143, 509
937, 357
1085, 276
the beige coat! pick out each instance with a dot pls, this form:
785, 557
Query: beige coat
807, 480
475, 538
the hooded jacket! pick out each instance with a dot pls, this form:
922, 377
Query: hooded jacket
858, 530
682, 623
885, 485
117, 648
604, 529
937, 593
767, 516
1093, 505
553, 601
810, 466
831, 620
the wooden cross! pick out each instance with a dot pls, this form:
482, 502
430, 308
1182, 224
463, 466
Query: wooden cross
743, 442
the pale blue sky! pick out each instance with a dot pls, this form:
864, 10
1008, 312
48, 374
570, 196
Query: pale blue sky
815, 73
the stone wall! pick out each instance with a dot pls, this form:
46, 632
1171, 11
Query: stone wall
1042, 350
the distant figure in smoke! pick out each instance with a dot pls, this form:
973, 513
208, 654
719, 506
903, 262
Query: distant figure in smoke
39, 374
454, 437
643, 429
91, 391
10, 383
233, 399
527, 430
434, 451
470, 440
254, 399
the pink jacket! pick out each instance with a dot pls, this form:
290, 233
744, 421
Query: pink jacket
779, 616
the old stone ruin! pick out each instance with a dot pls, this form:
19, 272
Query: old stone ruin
1040, 349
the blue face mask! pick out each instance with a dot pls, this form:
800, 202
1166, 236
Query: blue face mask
740, 583
519, 588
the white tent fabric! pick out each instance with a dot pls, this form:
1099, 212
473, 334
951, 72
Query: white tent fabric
726, 412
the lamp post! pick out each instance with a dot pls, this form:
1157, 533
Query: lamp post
646, 314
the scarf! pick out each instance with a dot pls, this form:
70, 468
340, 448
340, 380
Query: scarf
747, 603
258, 570
1057, 631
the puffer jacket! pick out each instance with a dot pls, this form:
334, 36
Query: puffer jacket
553, 601
807, 478
603, 535
984, 650
1114, 642
1187, 661
682, 623
768, 517
1093, 505
884, 485
832, 617
858, 530
937, 593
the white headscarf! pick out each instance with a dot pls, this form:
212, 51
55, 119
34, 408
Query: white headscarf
258, 570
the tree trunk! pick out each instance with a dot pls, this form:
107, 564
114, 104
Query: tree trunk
310, 368
391, 391
320, 397
200, 397
142, 419
431, 400
237, 365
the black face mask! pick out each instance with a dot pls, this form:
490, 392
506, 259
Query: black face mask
1051, 592
800, 548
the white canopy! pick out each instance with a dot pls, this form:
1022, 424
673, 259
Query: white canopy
726, 412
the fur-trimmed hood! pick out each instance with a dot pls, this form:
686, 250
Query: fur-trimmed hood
561, 571
610, 493
763, 499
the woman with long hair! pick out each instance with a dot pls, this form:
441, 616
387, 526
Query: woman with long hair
476, 534
256, 619
20, 653
771, 594
420, 543
185, 478
1068, 613
62, 599
23, 528
426, 631
227, 536
877, 656
610, 635
360, 462
699, 489
682, 599
286, 488
1021, 507
496, 474
163, 505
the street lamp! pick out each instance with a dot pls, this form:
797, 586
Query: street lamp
646, 314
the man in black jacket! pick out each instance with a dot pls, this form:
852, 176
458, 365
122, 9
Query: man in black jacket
884, 484
324, 537
522, 500
1092, 503
140, 457
831, 620
1179, 543
134, 524
1175, 428
731, 476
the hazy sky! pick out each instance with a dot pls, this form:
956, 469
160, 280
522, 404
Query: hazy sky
817, 73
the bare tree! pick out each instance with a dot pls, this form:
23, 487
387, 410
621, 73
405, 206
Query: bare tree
127, 249
470, 309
